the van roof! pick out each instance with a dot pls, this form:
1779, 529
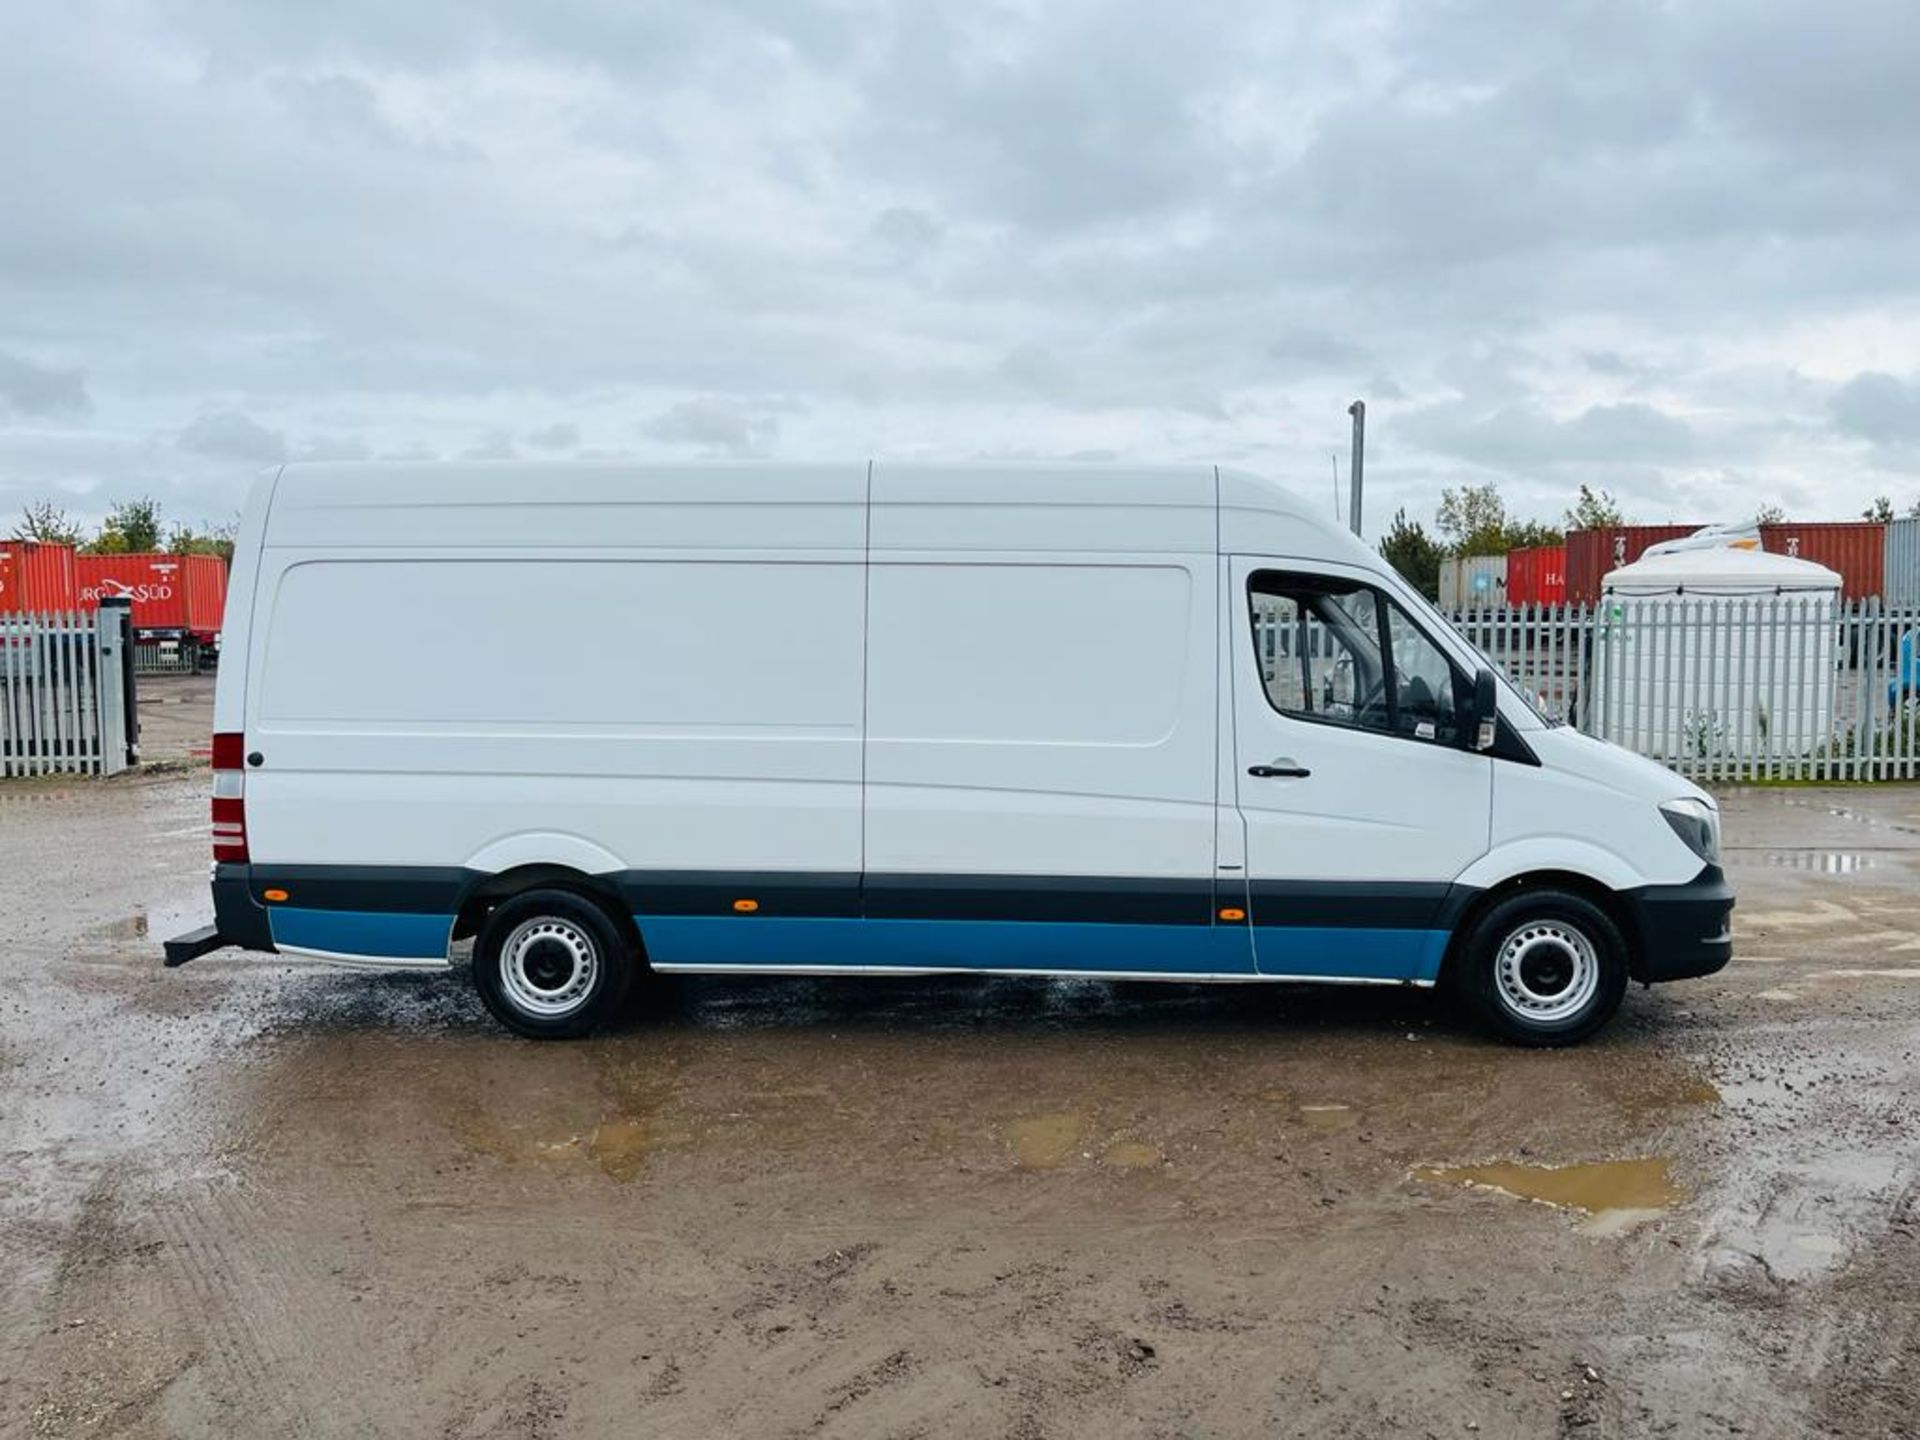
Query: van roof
1026, 505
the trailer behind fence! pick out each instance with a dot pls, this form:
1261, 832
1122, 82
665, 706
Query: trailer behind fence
66, 692
1741, 689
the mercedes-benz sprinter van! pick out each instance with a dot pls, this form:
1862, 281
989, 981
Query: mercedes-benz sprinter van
1161, 723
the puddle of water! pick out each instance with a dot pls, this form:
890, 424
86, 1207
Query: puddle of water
1132, 1155
1043, 1142
1817, 862
619, 1147
1597, 1187
1328, 1117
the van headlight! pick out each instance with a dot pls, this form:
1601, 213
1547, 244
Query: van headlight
1698, 826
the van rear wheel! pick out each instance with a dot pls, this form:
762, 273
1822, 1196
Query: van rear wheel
551, 964
1543, 967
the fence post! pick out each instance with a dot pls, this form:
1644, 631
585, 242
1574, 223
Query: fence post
119, 713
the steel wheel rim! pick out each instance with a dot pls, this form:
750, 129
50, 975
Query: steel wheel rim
1547, 971
547, 967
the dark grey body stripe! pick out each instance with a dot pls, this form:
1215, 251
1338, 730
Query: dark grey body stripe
1343, 904
1334, 904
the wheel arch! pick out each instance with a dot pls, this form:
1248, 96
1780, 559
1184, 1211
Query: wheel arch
1609, 900
487, 891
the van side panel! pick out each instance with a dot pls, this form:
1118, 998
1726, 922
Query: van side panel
443, 680
1041, 721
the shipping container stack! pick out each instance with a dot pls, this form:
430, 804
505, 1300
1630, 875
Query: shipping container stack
1593, 554
1473, 582
1857, 549
175, 597
37, 578
1537, 576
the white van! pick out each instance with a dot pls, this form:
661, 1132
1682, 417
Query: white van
1157, 723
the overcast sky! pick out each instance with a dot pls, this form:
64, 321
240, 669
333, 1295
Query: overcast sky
1673, 250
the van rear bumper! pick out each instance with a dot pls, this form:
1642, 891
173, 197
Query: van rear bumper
238, 920
1684, 930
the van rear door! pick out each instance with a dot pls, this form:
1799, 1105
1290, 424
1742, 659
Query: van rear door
1359, 798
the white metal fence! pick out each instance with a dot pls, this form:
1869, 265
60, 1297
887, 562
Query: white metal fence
66, 700
170, 657
1757, 688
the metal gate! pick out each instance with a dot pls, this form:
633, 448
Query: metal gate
1743, 689
67, 692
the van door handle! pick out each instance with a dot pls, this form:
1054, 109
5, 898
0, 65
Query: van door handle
1282, 769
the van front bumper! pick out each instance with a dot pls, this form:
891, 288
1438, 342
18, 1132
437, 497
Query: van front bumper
1683, 930
238, 920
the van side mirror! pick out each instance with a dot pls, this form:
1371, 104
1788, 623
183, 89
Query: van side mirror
1486, 709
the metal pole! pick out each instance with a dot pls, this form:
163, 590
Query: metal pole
1358, 410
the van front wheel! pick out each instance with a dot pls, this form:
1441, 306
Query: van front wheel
551, 965
1544, 967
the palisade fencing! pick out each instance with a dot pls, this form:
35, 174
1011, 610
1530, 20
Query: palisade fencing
168, 657
66, 693
1777, 687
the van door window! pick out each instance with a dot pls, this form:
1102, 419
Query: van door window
1340, 652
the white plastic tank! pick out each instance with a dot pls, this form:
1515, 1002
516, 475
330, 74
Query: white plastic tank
1720, 651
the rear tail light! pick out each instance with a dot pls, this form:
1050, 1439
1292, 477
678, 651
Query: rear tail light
229, 797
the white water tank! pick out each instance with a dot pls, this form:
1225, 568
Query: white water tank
1716, 652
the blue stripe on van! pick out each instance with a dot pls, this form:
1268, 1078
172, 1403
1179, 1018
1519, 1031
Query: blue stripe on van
1342, 954
945, 944
1064, 947
387, 934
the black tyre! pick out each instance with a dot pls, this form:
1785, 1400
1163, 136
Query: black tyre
552, 965
1543, 967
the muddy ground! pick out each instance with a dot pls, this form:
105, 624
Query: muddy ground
259, 1198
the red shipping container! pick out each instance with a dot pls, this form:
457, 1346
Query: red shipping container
1537, 576
1857, 549
183, 595
36, 578
1591, 554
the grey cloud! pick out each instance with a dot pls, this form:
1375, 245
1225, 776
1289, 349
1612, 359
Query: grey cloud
1523, 438
952, 228
557, 436
37, 391
1878, 407
230, 435
715, 425
497, 446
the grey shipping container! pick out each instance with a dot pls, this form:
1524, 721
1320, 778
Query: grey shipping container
1901, 580
1473, 582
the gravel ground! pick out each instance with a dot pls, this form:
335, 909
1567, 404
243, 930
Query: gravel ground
255, 1197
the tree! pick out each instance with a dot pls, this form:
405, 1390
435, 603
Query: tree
1414, 553
1526, 534
1473, 520
48, 523
1595, 510
1770, 515
1881, 509
214, 540
131, 526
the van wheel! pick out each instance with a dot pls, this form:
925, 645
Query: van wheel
551, 965
1543, 967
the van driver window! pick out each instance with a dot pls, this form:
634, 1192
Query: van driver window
1340, 652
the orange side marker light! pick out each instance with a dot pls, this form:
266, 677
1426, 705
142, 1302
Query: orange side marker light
1233, 913
746, 907
274, 894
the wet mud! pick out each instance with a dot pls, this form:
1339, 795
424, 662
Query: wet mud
260, 1197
